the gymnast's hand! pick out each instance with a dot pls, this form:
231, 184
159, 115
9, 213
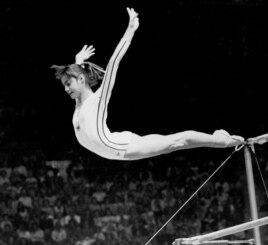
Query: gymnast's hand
85, 53
133, 19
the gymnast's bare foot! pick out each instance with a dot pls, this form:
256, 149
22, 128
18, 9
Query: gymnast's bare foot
258, 140
227, 139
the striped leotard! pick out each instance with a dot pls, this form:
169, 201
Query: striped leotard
89, 119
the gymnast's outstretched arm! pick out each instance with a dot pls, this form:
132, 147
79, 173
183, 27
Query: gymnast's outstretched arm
119, 52
129, 33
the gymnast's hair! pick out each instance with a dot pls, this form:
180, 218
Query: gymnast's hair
92, 72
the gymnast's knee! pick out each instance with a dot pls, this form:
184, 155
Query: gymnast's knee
180, 140
150, 145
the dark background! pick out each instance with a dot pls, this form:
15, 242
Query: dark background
197, 65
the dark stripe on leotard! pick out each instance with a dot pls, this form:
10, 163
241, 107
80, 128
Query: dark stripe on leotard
101, 113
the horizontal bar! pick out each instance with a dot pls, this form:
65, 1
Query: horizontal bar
250, 241
223, 232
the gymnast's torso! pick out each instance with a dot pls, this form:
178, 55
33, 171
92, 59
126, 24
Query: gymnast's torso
89, 121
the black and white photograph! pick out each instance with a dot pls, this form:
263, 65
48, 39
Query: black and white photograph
133, 122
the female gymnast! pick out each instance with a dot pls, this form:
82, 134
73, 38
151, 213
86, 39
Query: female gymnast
89, 119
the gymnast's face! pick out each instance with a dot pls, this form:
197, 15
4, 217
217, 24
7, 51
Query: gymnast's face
73, 86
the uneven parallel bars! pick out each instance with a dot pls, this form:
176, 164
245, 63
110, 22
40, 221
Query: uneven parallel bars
223, 232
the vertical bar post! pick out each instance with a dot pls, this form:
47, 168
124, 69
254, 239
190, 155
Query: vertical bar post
252, 194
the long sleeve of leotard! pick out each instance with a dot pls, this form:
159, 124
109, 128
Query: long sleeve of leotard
119, 52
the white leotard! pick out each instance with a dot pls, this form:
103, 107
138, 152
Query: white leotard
89, 119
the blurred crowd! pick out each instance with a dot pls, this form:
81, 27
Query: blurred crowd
54, 194
79, 201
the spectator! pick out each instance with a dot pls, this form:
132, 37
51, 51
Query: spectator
126, 226
168, 201
99, 194
58, 208
23, 214
99, 237
4, 177
6, 223
45, 222
21, 170
47, 208
30, 180
8, 235
156, 205
58, 234
23, 234
9, 207
37, 235
25, 199
72, 216
124, 238
89, 241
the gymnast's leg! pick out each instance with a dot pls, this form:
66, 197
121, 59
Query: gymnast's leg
155, 144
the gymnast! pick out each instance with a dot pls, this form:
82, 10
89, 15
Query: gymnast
89, 118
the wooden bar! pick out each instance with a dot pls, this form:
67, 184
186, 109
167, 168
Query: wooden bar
223, 232
219, 242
